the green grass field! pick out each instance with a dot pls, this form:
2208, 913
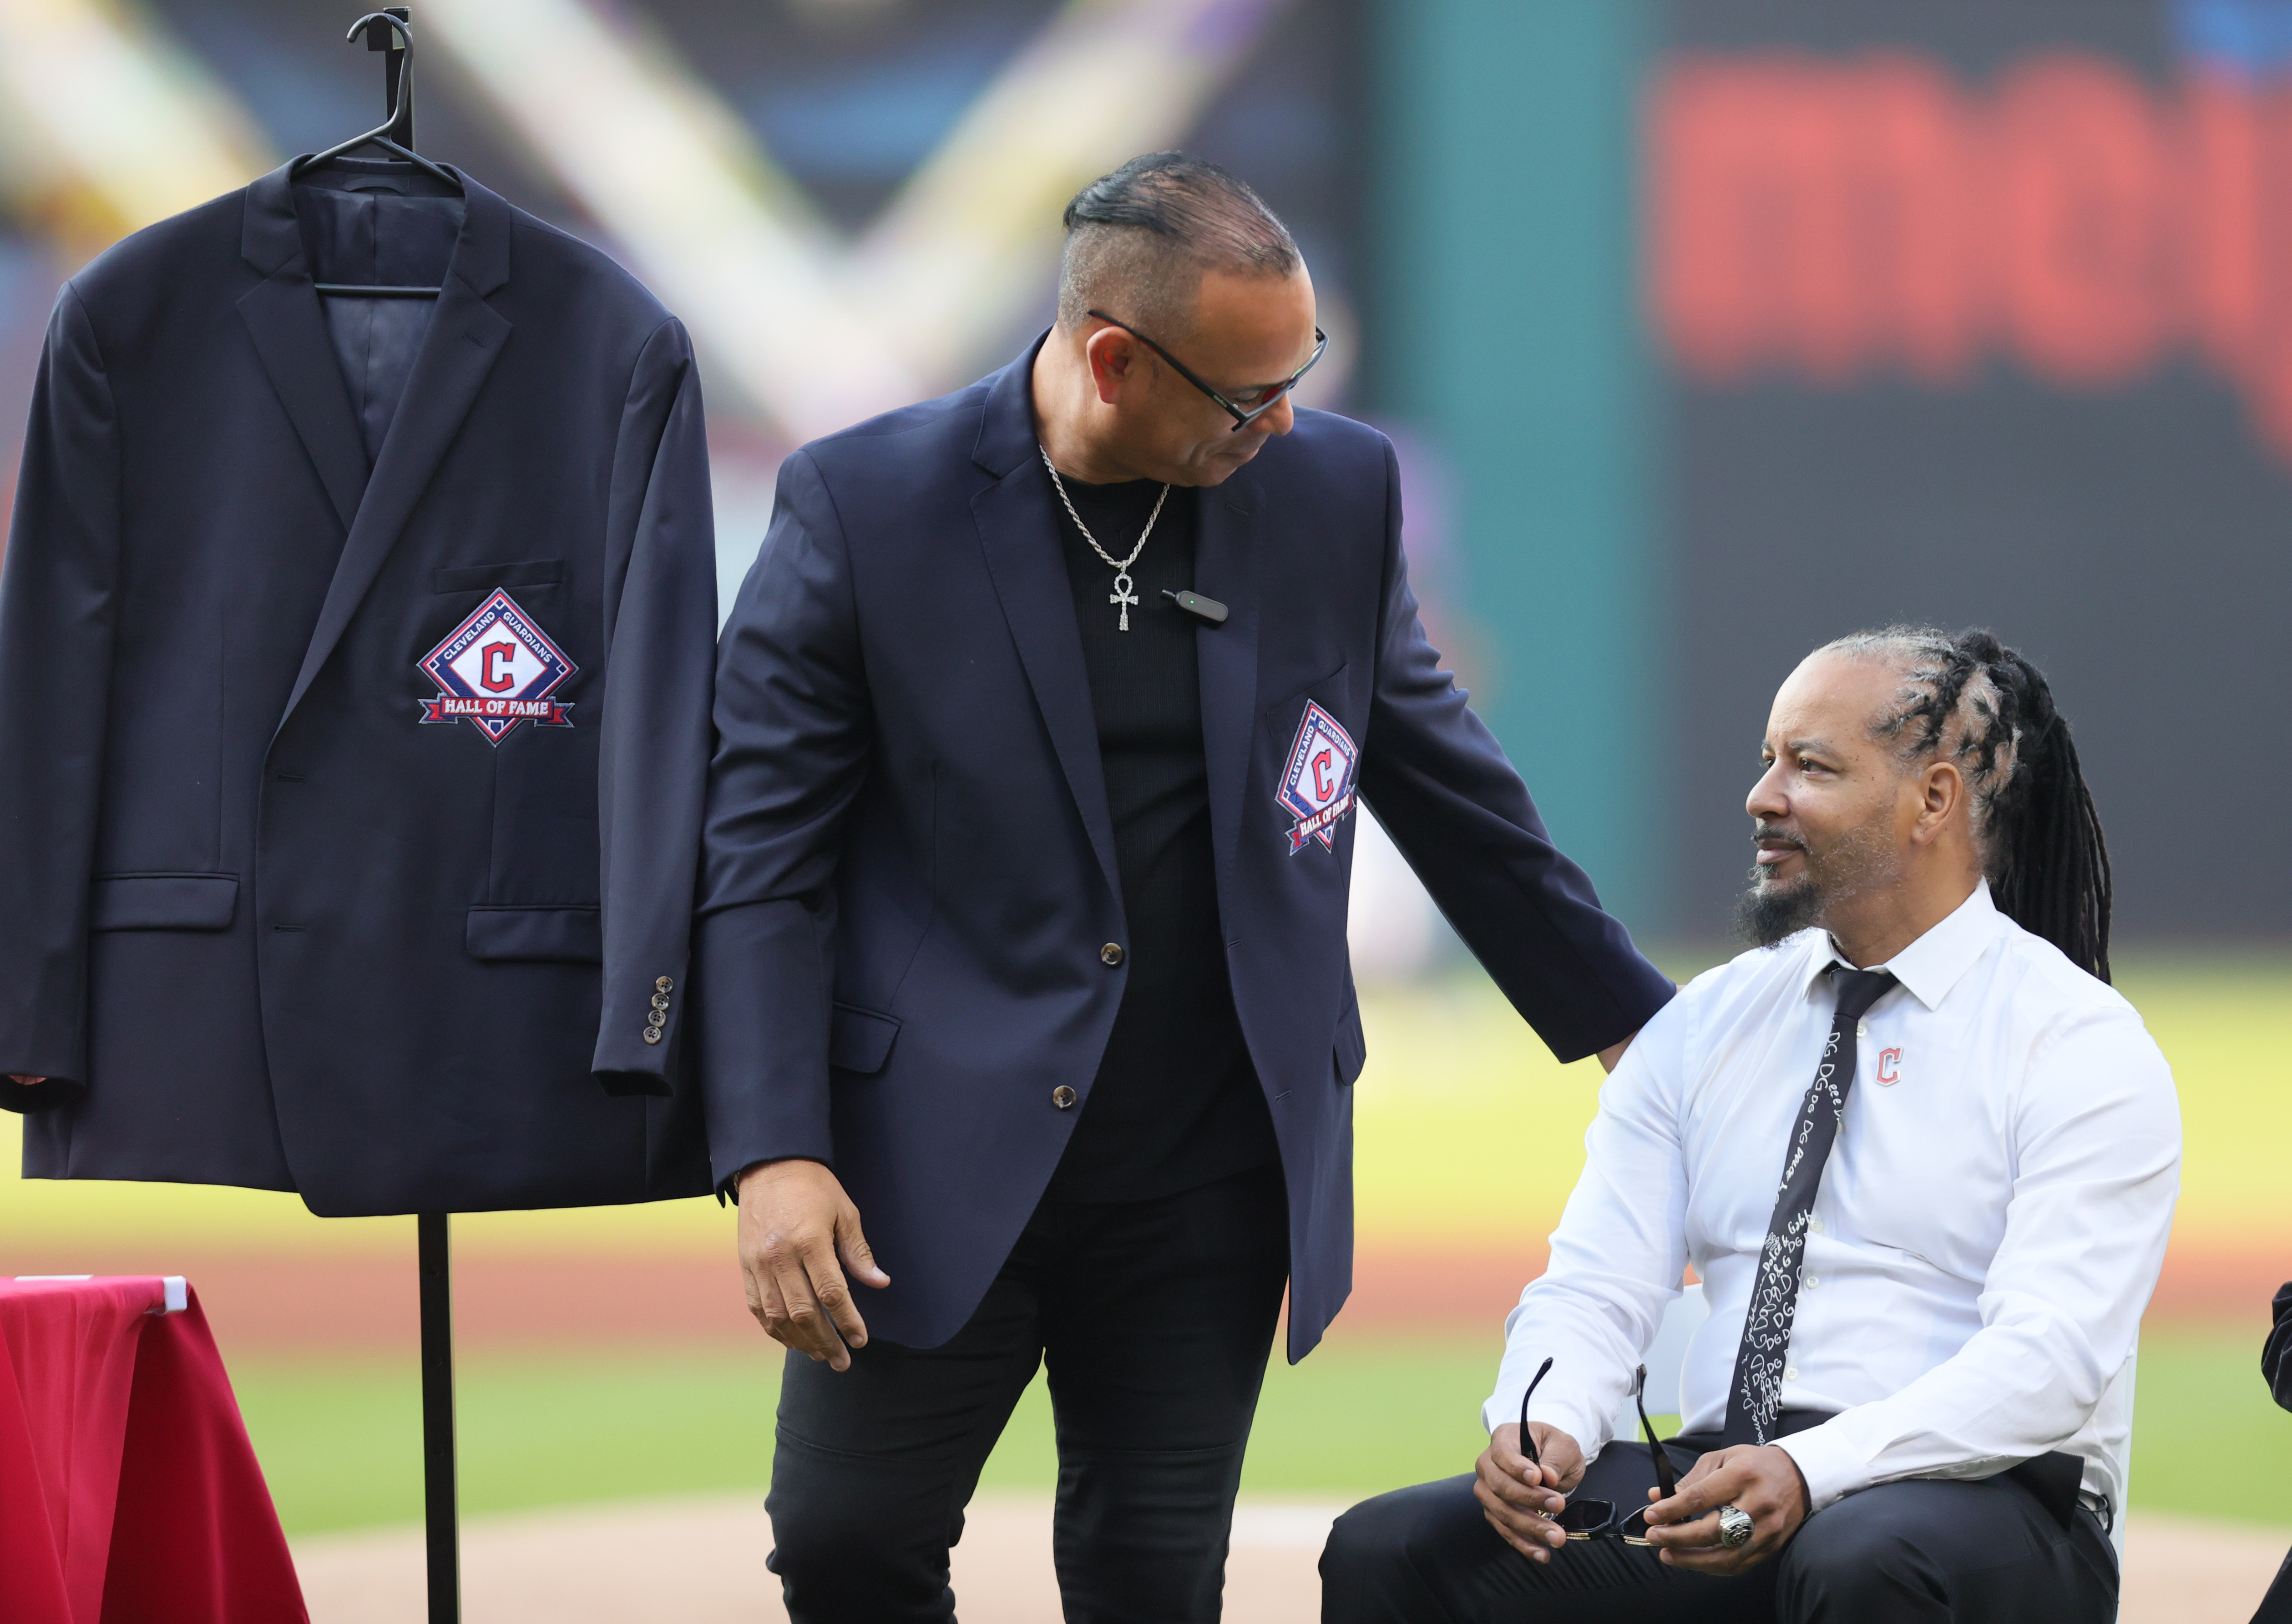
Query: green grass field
1468, 1137
340, 1440
1467, 1133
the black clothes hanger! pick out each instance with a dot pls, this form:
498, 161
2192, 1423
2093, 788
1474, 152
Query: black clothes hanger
386, 31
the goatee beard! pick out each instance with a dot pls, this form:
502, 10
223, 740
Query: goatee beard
1767, 914
1861, 859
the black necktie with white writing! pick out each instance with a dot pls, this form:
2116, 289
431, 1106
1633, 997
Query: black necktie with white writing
1757, 1395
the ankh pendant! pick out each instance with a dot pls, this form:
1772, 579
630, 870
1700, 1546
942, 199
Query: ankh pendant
1123, 596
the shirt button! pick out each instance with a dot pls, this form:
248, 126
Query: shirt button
1790, 1373
1811, 1283
1063, 1098
1815, 1224
1110, 954
1861, 1029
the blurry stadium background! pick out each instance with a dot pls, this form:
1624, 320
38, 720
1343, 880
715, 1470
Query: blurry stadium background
1707, 332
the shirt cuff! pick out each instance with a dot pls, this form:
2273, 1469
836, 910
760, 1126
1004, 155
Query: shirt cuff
1569, 1412
1829, 1462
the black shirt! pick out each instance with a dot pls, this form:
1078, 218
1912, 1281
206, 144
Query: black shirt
1176, 1103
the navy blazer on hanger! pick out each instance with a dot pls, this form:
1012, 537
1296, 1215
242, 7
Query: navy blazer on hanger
353, 810
912, 935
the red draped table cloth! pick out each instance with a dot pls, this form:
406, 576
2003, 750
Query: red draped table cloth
128, 1491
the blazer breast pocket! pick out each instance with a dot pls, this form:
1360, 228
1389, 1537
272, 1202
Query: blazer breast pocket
495, 637
1283, 715
485, 577
1316, 760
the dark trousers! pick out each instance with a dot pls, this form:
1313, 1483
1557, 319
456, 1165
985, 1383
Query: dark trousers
1154, 1320
1968, 1553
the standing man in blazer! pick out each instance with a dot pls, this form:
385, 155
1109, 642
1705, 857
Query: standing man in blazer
1044, 718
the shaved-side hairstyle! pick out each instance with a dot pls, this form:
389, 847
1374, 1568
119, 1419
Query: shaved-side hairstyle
1139, 240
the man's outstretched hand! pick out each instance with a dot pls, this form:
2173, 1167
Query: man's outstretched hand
1518, 1497
799, 1233
1765, 1481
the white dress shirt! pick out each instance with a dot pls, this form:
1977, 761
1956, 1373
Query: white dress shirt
1989, 1228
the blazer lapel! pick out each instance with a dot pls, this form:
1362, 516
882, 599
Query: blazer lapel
283, 318
465, 337
1019, 533
1225, 567
1017, 530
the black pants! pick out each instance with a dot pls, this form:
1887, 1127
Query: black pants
1154, 1319
1967, 1552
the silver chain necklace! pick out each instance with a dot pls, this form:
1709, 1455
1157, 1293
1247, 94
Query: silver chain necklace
1122, 593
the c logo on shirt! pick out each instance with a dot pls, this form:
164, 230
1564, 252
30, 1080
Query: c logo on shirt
1890, 1067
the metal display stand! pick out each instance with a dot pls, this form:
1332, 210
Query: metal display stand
440, 1517
388, 31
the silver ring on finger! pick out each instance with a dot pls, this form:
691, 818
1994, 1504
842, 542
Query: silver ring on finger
1734, 1527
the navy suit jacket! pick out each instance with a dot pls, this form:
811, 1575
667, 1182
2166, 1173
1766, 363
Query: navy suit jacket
909, 873
259, 924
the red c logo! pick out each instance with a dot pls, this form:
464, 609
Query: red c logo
1890, 1066
1322, 787
492, 682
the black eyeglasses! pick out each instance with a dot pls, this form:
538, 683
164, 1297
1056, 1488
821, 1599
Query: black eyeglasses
1243, 416
1595, 1519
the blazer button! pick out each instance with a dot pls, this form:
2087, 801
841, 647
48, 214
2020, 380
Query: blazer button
665, 985
660, 1001
653, 1034
1063, 1098
1110, 954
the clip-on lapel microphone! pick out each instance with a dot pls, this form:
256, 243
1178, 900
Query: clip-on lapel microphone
1209, 610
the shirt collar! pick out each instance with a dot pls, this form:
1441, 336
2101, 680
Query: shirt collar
1930, 966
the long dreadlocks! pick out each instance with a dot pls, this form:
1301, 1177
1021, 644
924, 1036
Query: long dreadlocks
1990, 712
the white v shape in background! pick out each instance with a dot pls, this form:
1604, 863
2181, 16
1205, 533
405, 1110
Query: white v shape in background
111, 125
815, 331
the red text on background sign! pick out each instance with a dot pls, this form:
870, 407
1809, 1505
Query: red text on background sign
1836, 220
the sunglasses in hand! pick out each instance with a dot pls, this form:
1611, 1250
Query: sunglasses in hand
1596, 1519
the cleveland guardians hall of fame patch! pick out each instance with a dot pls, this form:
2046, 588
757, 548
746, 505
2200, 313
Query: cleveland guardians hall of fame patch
496, 670
1319, 786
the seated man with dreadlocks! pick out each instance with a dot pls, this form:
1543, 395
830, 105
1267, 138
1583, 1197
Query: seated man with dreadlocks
1912, 1399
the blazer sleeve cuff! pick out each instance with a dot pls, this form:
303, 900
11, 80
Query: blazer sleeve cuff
34, 1044
640, 1034
50, 1094
761, 1020
1650, 991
